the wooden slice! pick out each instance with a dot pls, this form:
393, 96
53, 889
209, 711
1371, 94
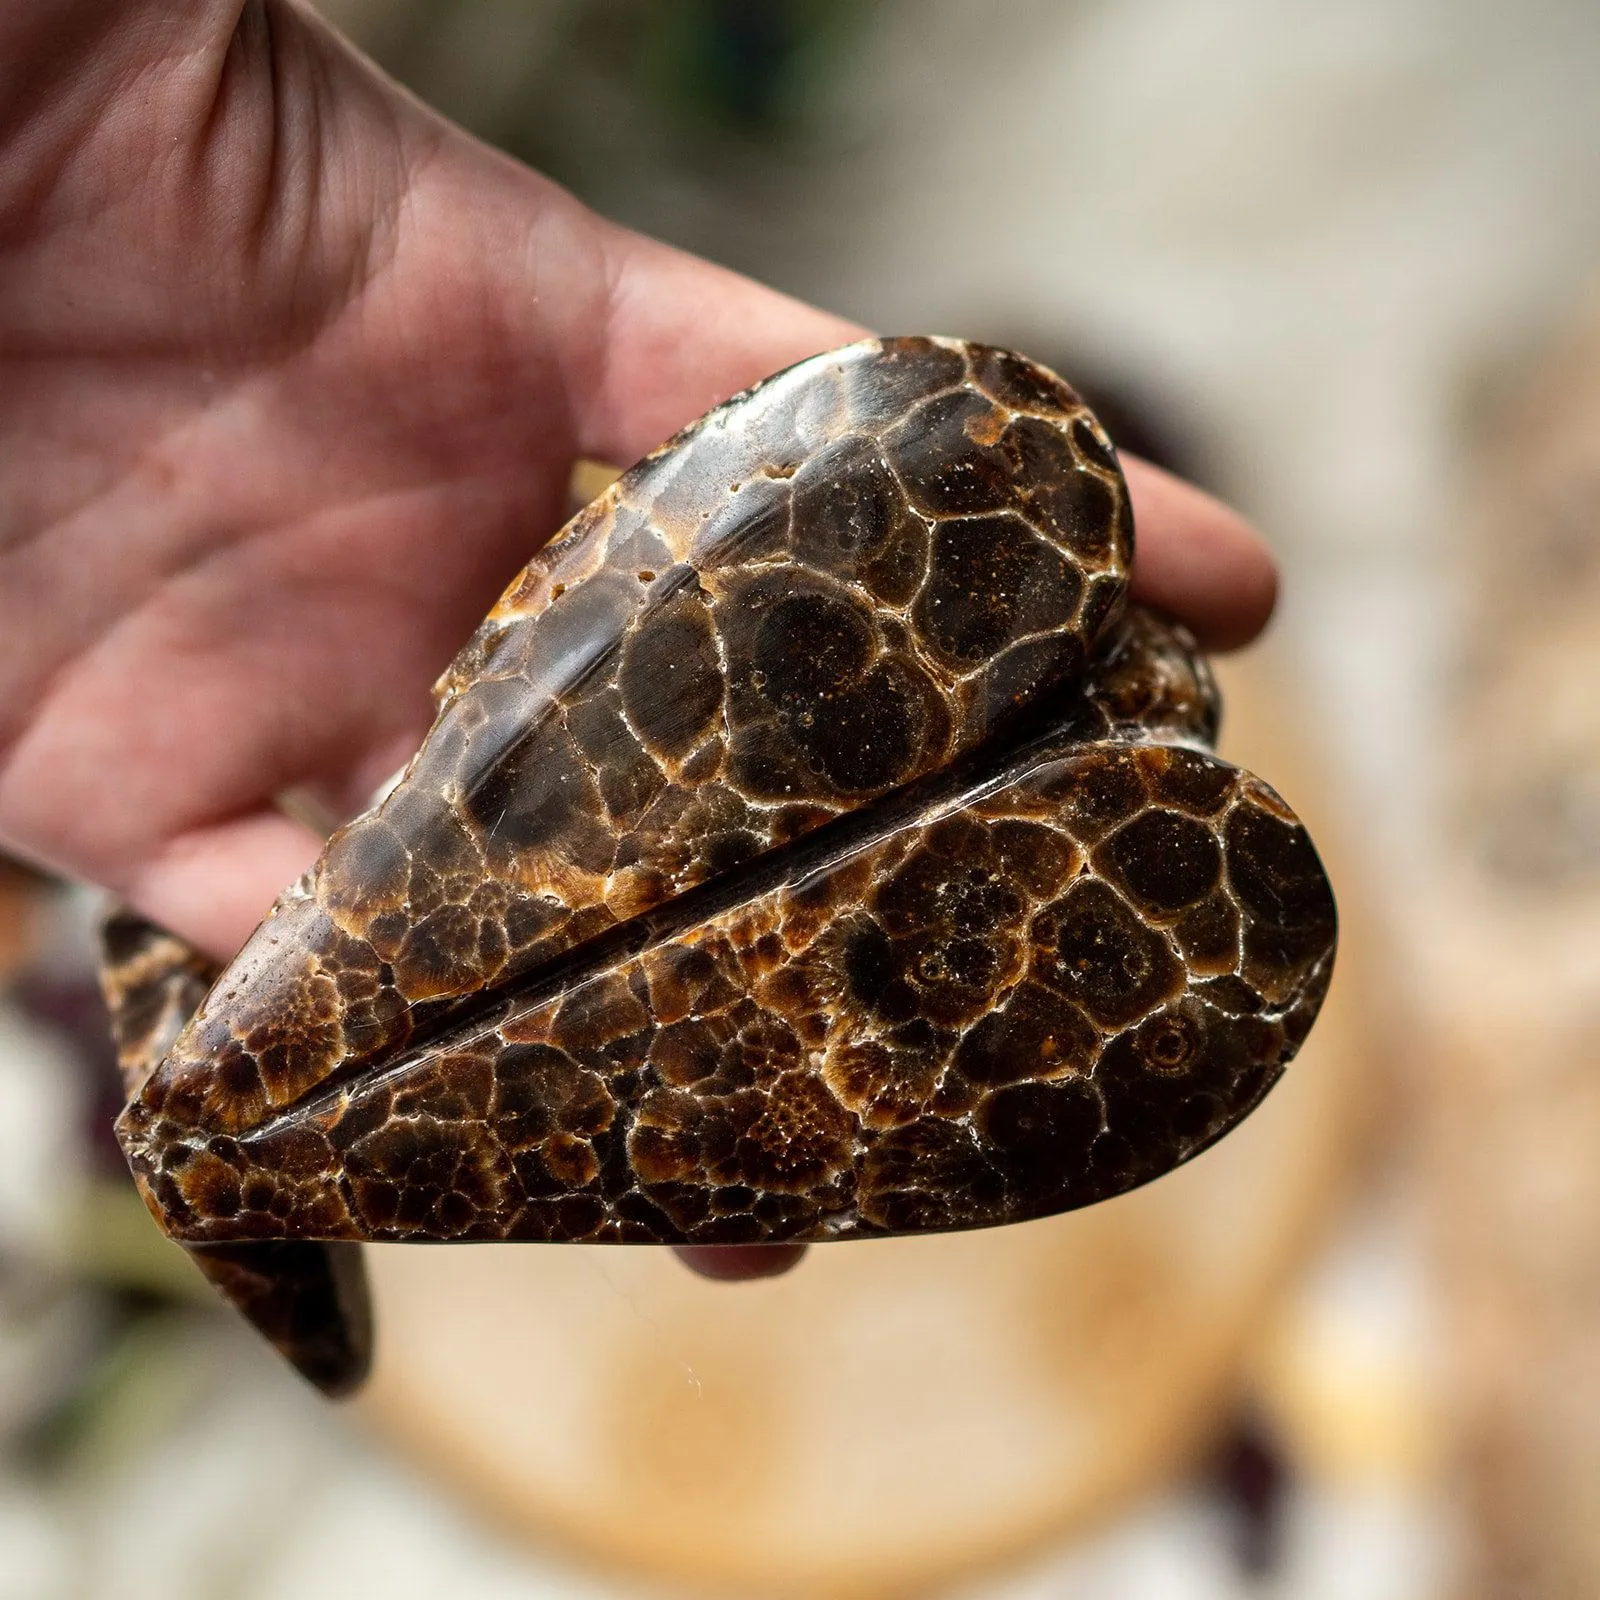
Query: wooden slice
891, 1413
1510, 964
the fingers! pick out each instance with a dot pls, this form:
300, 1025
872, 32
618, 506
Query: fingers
728, 1263
213, 885
1197, 560
680, 336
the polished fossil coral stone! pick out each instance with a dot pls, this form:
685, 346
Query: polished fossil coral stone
810, 845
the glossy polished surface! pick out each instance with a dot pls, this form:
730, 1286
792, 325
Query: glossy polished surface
809, 846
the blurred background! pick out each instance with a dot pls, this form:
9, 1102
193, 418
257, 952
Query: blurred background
1342, 266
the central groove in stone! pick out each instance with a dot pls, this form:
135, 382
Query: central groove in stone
1038, 734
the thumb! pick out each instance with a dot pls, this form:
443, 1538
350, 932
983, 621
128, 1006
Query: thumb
680, 335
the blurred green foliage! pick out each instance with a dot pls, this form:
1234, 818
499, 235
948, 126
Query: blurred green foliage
607, 95
750, 67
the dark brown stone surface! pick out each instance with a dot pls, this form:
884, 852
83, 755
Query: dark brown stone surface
810, 845
308, 1298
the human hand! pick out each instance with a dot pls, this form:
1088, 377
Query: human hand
292, 376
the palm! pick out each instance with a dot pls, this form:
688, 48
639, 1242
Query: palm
291, 379
331, 419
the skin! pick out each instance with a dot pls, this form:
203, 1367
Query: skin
292, 376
